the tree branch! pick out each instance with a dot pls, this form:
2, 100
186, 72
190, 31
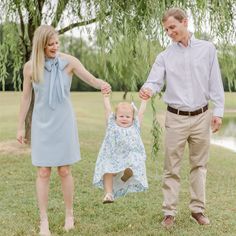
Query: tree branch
61, 5
78, 24
39, 5
22, 25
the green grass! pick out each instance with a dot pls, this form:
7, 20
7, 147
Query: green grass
135, 214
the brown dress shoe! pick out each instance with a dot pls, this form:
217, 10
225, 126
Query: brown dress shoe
200, 218
168, 221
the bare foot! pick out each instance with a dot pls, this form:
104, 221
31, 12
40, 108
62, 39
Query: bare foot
44, 228
69, 223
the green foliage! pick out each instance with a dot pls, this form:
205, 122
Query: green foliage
11, 57
128, 62
124, 30
227, 61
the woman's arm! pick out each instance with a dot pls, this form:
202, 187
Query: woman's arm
25, 102
79, 70
142, 110
107, 105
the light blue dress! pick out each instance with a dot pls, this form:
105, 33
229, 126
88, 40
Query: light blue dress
122, 148
54, 133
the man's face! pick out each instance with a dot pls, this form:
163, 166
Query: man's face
175, 29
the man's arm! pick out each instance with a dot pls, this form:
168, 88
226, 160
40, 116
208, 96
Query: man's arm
155, 80
216, 92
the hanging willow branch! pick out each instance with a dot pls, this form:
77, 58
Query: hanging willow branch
156, 130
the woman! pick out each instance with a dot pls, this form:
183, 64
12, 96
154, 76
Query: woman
54, 136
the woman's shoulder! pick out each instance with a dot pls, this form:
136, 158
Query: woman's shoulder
28, 67
67, 57
28, 64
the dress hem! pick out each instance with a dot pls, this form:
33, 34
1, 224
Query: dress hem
54, 165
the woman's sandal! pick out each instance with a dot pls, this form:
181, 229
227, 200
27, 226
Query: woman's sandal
108, 198
128, 173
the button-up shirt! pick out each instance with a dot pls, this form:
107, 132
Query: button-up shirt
191, 74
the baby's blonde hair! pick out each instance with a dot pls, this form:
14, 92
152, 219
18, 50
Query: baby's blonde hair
125, 105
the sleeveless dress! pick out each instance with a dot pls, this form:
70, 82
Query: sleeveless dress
54, 133
122, 148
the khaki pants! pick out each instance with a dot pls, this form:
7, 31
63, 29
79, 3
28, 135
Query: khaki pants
196, 131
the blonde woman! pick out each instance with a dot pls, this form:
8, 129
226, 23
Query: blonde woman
54, 137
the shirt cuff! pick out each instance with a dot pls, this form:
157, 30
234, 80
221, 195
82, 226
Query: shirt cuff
151, 86
218, 112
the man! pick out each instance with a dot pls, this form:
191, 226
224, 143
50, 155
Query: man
190, 70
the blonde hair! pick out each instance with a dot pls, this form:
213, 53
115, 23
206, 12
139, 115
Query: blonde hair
41, 37
125, 105
178, 13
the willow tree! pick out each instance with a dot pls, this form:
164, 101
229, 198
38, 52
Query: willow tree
115, 22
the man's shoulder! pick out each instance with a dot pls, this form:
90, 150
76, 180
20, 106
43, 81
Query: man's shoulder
165, 51
203, 42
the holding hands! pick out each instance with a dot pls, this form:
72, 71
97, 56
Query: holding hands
105, 88
145, 93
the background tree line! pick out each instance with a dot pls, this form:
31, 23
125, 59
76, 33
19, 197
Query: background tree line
128, 35
134, 66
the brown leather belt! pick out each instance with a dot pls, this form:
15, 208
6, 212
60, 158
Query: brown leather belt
187, 113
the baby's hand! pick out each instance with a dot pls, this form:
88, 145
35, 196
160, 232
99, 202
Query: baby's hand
106, 95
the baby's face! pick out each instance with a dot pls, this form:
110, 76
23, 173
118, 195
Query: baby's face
124, 117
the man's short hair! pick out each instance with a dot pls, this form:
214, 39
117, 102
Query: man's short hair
178, 13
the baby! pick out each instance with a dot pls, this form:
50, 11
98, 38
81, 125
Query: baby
120, 166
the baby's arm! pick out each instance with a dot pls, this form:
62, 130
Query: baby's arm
107, 105
141, 110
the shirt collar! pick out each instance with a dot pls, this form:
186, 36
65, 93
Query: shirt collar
190, 41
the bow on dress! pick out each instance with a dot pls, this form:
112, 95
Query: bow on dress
56, 88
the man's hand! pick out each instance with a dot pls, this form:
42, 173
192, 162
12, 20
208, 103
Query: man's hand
105, 88
215, 123
145, 93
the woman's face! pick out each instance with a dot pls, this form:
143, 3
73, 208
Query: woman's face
52, 47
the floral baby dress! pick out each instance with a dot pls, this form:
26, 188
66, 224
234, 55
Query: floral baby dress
122, 148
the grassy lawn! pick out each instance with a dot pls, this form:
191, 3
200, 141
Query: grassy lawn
134, 214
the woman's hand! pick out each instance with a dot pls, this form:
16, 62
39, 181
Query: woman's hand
105, 88
20, 136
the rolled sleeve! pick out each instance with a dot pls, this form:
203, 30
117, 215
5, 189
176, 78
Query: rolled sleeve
155, 80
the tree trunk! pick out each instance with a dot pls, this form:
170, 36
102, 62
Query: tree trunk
28, 119
125, 94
